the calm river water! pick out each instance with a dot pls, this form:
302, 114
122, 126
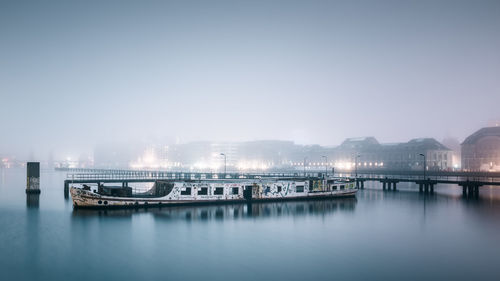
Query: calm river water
380, 235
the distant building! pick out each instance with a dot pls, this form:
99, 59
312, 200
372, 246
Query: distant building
278, 155
481, 150
368, 153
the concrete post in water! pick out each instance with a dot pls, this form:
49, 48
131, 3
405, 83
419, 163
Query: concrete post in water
33, 177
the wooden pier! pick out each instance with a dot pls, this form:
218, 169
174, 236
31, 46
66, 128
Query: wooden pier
470, 188
124, 177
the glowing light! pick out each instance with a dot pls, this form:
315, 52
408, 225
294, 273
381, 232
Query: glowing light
252, 165
149, 160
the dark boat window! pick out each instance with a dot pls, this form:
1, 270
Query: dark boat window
235, 190
279, 188
187, 191
203, 191
334, 187
342, 186
299, 188
219, 191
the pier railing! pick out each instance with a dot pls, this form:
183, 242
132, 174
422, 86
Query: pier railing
158, 175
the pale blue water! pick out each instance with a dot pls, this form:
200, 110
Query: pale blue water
381, 235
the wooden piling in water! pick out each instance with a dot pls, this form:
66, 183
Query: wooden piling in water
33, 177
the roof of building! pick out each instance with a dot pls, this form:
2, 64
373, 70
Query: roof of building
484, 132
427, 143
359, 142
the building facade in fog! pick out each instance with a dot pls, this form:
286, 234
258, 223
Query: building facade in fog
481, 150
368, 153
365, 153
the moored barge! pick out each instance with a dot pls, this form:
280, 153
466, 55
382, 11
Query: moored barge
170, 192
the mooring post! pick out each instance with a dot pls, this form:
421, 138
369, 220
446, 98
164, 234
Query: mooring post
33, 177
66, 189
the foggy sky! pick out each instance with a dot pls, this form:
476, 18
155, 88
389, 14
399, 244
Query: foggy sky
75, 73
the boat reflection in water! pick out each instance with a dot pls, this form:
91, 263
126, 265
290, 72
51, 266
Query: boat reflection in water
232, 211
33, 200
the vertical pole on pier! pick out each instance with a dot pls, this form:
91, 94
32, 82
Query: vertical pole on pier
33, 177
304, 166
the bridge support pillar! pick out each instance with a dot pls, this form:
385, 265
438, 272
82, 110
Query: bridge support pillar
420, 187
383, 185
432, 188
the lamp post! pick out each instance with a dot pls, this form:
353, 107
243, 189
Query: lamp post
305, 158
326, 172
326, 165
356, 168
222, 154
425, 163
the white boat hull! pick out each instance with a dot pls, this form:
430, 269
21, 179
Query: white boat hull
228, 193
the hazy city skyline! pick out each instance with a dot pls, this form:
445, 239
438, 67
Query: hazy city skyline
314, 72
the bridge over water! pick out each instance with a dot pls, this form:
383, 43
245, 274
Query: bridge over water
469, 181
470, 186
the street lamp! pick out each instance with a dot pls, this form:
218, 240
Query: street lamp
326, 165
222, 154
326, 171
425, 163
305, 158
356, 168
